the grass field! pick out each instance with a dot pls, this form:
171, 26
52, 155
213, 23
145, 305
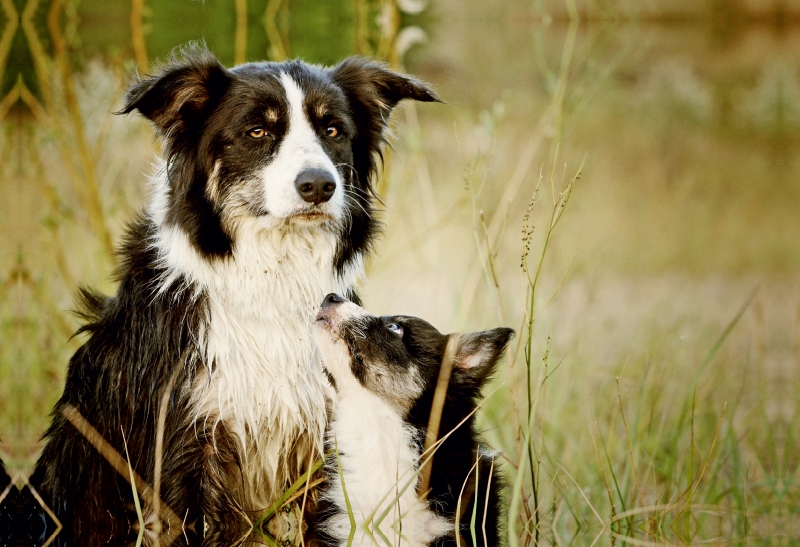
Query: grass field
651, 394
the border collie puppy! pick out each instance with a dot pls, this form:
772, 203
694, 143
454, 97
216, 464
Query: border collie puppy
385, 371
262, 206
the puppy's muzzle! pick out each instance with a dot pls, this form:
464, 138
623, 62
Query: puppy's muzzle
332, 300
327, 311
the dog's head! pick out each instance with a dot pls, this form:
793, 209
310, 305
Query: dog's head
399, 358
270, 144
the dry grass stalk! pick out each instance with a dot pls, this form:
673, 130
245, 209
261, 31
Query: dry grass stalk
9, 30
137, 35
432, 433
92, 202
276, 34
240, 55
159, 455
174, 524
47, 510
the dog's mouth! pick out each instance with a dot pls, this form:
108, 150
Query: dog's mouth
311, 215
324, 320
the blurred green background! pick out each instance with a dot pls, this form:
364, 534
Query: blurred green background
686, 212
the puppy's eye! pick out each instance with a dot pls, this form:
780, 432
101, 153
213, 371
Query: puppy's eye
395, 328
257, 132
332, 131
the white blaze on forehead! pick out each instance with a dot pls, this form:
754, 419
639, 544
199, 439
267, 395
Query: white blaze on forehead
295, 97
299, 150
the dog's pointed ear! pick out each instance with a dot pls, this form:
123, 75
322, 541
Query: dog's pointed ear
372, 91
479, 352
181, 92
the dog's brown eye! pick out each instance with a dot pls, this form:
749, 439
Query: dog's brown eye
332, 131
257, 132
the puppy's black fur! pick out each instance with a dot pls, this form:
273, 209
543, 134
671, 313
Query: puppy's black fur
399, 358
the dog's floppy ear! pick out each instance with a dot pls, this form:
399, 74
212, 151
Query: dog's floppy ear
376, 87
373, 91
479, 352
178, 96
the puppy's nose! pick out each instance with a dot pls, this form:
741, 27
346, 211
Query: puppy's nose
315, 185
332, 299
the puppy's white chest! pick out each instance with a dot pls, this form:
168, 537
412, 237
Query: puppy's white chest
379, 463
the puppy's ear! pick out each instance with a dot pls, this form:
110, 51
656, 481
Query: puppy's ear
373, 91
479, 352
182, 93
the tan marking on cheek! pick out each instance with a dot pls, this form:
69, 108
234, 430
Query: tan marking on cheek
382, 105
400, 390
212, 186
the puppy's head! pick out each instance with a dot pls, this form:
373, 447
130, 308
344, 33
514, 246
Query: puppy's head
399, 357
270, 144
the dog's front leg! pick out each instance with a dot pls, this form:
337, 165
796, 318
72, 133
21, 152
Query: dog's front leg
199, 472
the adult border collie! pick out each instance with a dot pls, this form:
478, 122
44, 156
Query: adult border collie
262, 206
386, 372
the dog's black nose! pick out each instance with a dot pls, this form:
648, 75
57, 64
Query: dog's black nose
332, 299
315, 185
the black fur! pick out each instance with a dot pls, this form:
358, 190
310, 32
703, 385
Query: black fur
454, 459
381, 355
201, 107
139, 338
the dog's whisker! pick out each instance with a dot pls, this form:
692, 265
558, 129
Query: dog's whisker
356, 202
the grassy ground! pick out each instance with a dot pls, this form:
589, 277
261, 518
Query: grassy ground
671, 347
653, 396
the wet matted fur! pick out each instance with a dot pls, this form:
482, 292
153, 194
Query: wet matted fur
262, 205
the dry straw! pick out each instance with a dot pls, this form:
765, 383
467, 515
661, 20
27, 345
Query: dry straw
439, 396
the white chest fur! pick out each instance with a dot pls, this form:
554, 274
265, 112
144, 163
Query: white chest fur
262, 376
379, 470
